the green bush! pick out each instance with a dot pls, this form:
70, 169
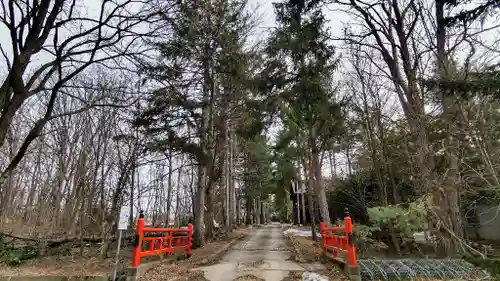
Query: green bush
405, 221
15, 256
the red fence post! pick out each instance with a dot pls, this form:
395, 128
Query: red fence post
176, 243
169, 243
322, 231
139, 234
151, 245
352, 267
351, 250
189, 239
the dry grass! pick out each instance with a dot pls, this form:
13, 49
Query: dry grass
306, 250
69, 264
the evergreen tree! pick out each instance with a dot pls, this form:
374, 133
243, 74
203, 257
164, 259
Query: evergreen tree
195, 77
480, 9
299, 71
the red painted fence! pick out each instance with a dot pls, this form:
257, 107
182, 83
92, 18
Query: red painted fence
339, 246
169, 241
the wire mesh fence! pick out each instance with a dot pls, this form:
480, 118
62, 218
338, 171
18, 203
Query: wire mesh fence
420, 269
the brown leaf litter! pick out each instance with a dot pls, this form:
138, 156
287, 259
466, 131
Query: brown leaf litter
307, 251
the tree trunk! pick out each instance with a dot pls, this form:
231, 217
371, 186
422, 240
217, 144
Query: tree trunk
131, 222
349, 160
262, 213
256, 208
238, 211
310, 198
169, 188
248, 219
232, 188
199, 209
302, 202
318, 182
111, 220
227, 182
209, 216
447, 198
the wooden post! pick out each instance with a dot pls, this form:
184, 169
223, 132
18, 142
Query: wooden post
139, 235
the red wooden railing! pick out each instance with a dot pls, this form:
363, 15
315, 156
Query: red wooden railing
172, 240
339, 245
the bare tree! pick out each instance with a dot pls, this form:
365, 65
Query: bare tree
39, 29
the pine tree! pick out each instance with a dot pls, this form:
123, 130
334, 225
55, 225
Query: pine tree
300, 68
198, 77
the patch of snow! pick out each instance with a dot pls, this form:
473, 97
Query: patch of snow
423, 237
311, 276
298, 232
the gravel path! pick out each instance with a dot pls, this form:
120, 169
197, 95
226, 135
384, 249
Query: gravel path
263, 254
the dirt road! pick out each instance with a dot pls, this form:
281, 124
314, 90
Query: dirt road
263, 254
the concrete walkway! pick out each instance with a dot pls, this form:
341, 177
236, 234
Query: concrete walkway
263, 254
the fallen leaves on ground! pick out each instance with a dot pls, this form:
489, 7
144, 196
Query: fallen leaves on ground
306, 250
69, 264
334, 274
294, 276
190, 276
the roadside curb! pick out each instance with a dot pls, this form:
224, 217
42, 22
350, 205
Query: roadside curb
298, 253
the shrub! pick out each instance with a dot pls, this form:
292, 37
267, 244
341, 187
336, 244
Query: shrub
15, 256
405, 220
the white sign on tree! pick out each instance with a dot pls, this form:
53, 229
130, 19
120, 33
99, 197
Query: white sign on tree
124, 217
298, 187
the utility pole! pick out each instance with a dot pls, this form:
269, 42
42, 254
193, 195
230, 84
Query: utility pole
297, 191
